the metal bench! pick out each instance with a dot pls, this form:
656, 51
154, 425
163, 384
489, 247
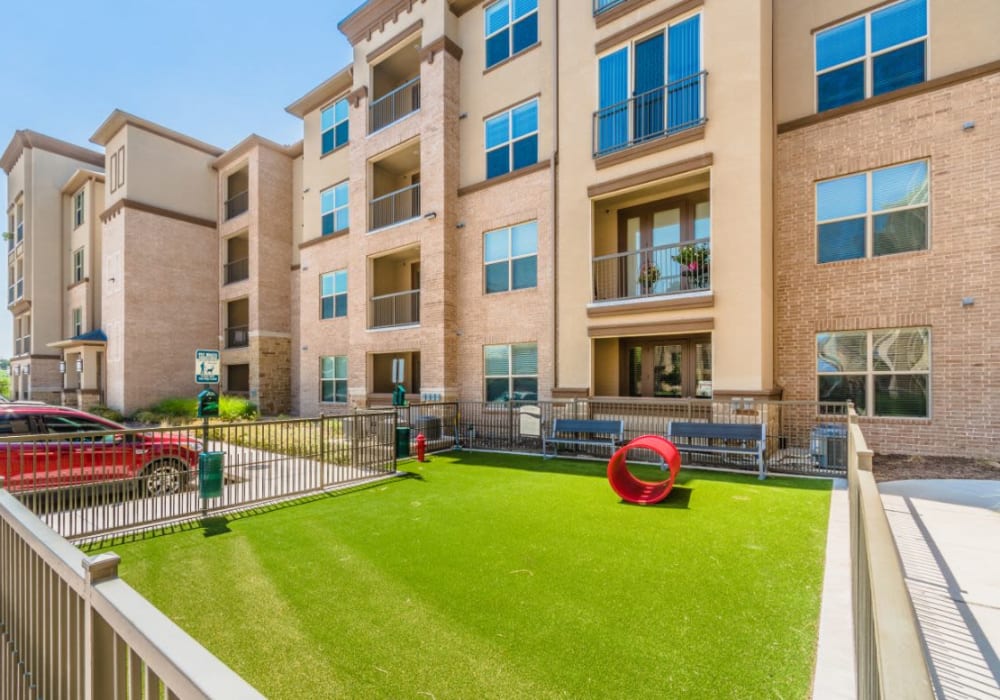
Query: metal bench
567, 431
721, 438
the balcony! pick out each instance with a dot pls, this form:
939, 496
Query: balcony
656, 114
237, 271
237, 268
26, 345
678, 268
238, 187
395, 207
238, 323
237, 204
392, 107
603, 5
237, 336
20, 289
397, 309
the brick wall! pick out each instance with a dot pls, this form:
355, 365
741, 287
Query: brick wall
923, 288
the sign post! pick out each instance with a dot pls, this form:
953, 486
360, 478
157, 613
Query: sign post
206, 371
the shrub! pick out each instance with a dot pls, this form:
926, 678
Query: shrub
236, 408
109, 413
182, 410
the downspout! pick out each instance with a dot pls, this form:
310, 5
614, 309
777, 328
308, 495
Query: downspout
555, 196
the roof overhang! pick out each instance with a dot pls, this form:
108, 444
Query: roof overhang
119, 120
255, 141
79, 179
26, 138
324, 92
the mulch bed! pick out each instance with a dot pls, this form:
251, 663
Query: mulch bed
899, 467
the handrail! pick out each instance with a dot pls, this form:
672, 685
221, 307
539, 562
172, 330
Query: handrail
394, 207
237, 204
674, 268
237, 270
395, 309
889, 649
394, 105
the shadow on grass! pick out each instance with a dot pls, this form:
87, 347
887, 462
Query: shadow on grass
678, 499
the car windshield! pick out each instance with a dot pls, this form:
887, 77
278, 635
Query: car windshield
74, 424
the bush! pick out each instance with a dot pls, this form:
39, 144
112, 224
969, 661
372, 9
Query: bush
182, 410
236, 408
109, 413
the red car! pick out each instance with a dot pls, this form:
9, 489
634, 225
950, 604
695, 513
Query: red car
34, 456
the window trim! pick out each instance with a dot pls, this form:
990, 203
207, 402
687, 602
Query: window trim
333, 127
79, 207
333, 380
509, 143
870, 373
510, 258
510, 376
334, 295
869, 214
78, 265
76, 321
510, 37
335, 209
868, 58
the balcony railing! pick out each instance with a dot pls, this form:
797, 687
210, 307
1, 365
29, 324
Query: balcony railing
602, 5
237, 270
19, 236
399, 309
394, 106
662, 112
237, 336
667, 269
394, 207
237, 204
20, 289
26, 345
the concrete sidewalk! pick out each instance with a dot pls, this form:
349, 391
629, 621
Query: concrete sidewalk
948, 535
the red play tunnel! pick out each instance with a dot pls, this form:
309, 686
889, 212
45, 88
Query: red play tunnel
636, 490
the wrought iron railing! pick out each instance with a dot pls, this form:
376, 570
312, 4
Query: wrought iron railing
237, 270
394, 105
237, 204
602, 5
394, 207
661, 112
398, 309
667, 269
237, 336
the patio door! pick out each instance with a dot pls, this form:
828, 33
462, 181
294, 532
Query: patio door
667, 367
652, 234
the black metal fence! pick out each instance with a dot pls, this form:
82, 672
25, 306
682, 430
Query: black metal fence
87, 484
803, 437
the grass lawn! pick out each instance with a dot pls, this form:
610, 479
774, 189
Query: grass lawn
504, 576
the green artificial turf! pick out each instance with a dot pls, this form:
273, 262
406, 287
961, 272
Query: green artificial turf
501, 576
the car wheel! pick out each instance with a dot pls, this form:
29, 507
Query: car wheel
164, 476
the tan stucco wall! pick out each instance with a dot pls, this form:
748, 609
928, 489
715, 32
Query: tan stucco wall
962, 35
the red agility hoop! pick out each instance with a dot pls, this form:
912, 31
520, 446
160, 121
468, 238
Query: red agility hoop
636, 490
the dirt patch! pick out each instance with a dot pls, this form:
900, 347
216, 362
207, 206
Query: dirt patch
899, 467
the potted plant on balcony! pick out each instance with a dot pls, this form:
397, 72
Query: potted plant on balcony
649, 275
694, 264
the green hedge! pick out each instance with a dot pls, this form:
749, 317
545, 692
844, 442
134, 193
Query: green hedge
170, 410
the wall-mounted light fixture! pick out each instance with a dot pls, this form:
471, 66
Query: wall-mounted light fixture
26, 369
968, 126
62, 367
430, 215
968, 301
79, 364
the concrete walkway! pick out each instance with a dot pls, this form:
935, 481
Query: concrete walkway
948, 535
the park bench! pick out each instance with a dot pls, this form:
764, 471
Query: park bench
721, 438
587, 433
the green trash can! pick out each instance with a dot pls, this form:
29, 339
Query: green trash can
402, 441
210, 474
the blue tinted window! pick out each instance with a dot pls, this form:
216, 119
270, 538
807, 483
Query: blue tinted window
497, 47
525, 152
512, 140
840, 44
840, 198
897, 69
898, 24
525, 33
841, 240
498, 162
899, 186
509, 27
333, 294
842, 86
510, 256
334, 209
333, 126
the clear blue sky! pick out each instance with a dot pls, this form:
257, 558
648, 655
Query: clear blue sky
215, 69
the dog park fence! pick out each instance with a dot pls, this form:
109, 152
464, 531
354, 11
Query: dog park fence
263, 461
71, 629
888, 648
803, 437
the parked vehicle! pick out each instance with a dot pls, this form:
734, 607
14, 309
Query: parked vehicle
53, 446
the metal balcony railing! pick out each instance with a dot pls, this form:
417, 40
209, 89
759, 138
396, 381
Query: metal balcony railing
20, 289
393, 106
394, 207
398, 309
667, 269
237, 270
602, 5
237, 336
237, 204
667, 110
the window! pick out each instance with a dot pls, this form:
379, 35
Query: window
884, 372
873, 54
650, 88
116, 169
875, 213
333, 379
512, 139
333, 294
511, 27
9, 235
77, 322
510, 256
511, 372
78, 200
333, 126
19, 230
602, 5
78, 265
333, 207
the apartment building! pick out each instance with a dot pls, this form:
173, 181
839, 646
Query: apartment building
520, 199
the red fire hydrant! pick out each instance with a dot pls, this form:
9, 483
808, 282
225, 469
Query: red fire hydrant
421, 447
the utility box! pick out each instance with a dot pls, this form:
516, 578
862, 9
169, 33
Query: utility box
430, 426
828, 445
210, 474
402, 441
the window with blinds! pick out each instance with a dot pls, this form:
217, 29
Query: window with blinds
880, 212
511, 372
511, 26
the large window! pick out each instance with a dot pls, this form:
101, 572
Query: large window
77, 322
511, 372
875, 213
510, 256
333, 379
884, 372
19, 230
78, 204
511, 27
512, 139
333, 126
872, 54
78, 265
650, 88
333, 294
334, 209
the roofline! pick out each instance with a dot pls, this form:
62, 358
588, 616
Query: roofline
255, 141
78, 178
338, 83
26, 138
119, 119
